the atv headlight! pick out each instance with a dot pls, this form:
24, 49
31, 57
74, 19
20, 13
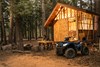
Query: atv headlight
65, 44
56, 44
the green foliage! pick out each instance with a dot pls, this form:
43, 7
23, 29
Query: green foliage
24, 7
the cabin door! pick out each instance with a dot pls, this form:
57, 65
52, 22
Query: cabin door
60, 30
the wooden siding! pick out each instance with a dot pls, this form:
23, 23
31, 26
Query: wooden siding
86, 33
59, 6
60, 30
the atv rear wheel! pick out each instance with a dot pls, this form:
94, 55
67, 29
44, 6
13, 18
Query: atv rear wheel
70, 53
85, 51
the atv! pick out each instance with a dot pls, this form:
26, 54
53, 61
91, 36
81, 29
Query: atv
70, 49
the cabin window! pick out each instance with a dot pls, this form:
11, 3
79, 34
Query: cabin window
86, 22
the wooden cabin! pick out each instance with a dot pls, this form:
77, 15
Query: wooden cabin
74, 22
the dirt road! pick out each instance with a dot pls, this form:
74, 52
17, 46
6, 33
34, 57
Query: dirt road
43, 59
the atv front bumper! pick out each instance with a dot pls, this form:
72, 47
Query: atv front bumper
60, 50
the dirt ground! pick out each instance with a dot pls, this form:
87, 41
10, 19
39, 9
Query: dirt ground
46, 59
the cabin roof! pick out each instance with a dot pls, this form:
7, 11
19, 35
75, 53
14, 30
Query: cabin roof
59, 6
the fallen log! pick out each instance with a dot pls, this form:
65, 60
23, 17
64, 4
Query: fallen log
20, 51
6, 47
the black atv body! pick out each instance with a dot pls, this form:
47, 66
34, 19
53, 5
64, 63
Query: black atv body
70, 49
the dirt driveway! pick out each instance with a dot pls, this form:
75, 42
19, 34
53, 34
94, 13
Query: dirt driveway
44, 59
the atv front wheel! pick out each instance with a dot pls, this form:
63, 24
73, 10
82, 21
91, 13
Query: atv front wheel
59, 52
70, 53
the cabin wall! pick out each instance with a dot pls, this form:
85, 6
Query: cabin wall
60, 30
86, 26
86, 33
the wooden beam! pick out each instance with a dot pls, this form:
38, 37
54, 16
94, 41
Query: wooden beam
77, 32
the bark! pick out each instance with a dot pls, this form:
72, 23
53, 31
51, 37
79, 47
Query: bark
1, 36
33, 33
3, 33
11, 22
36, 30
28, 32
1, 21
25, 33
97, 2
40, 32
98, 11
80, 3
30, 36
91, 5
43, 18
19, 37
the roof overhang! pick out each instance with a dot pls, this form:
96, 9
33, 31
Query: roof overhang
60, 6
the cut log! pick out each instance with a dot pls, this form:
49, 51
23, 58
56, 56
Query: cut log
6, 47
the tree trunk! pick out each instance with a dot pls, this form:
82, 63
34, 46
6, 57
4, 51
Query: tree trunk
43, 18
33, 33
0, 22
11, 22
4, 32
19, 37
36, 29
28, 32
3, 38
91, 5
97, 2
80, 3
0, 33
25, 33
39, 31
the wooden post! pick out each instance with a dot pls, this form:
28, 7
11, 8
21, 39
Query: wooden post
77, 21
